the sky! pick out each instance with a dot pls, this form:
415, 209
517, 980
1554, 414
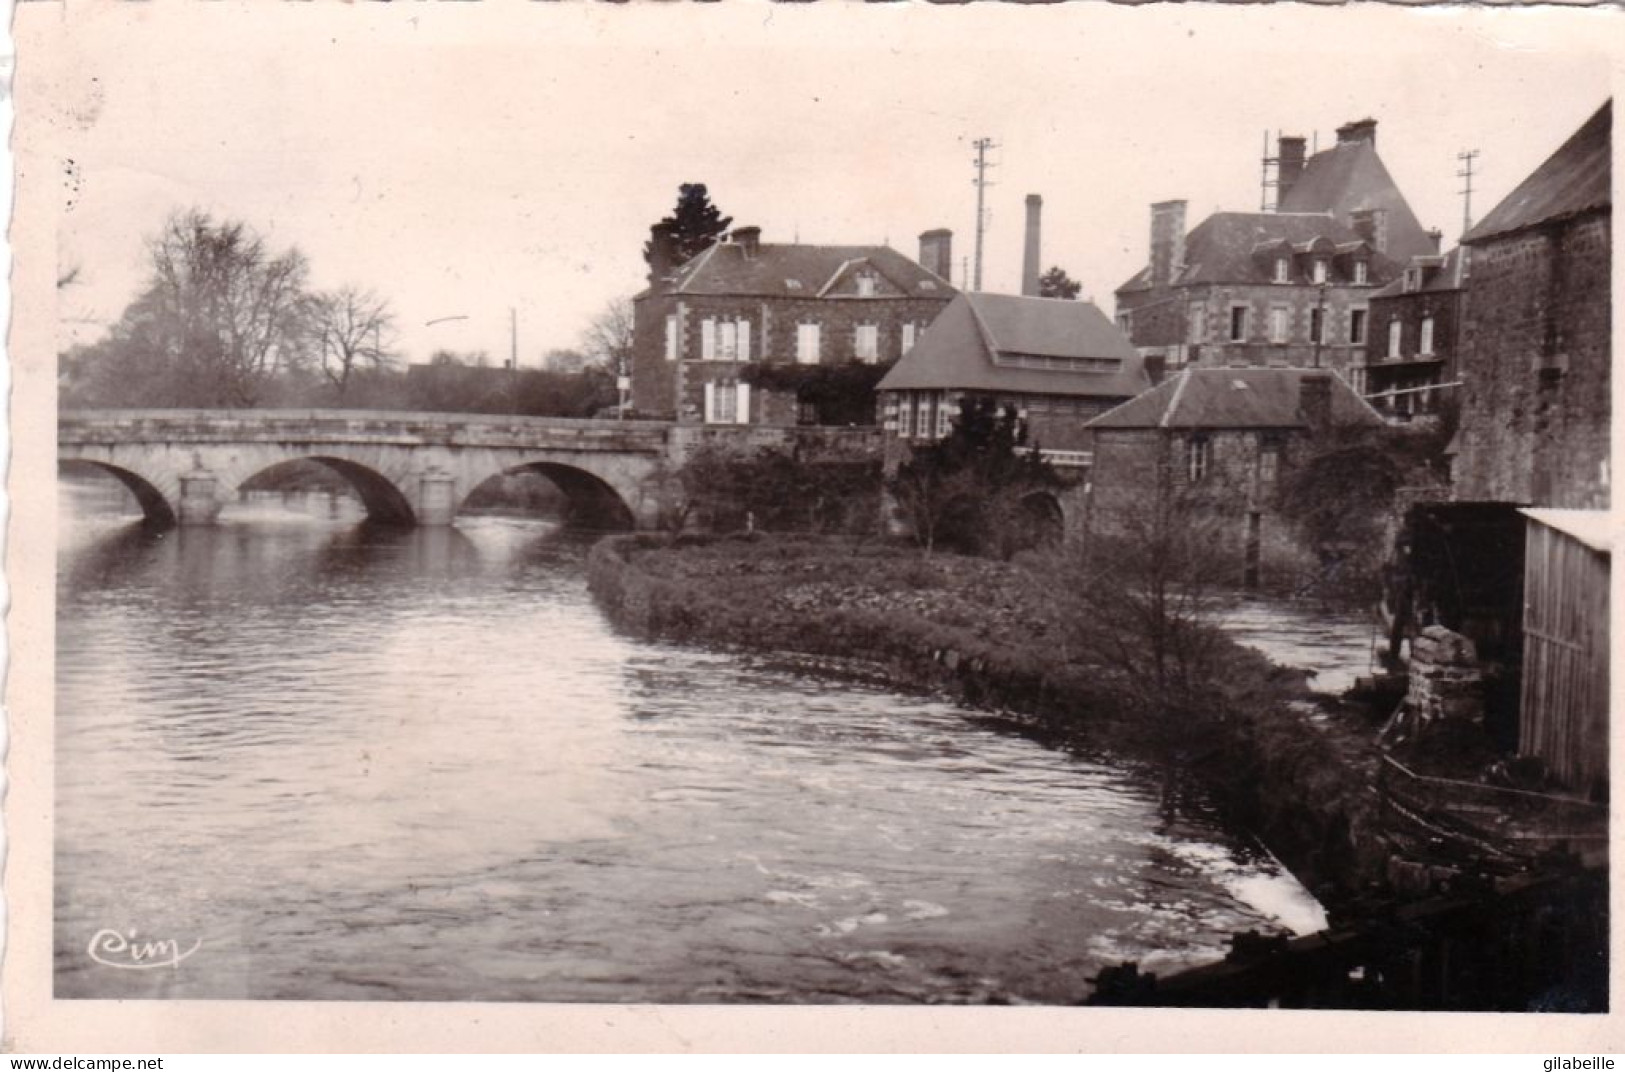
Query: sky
465, 160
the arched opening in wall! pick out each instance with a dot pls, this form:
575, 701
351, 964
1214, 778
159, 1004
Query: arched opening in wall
328, 488
1039, 522
573, 497
96, 488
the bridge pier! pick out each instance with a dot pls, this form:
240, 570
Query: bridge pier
199, 505
437, 498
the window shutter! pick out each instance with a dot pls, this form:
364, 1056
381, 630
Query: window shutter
744, 340
744, 403
708, 339
671, 337
710, 403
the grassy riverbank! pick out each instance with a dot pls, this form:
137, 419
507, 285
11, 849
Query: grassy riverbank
1007, 637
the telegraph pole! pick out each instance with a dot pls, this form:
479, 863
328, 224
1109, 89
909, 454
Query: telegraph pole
982, 146
1466, 191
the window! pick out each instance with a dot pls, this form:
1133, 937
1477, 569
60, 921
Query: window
1413, 279
1393, 337
1426, 346
1280, 322
1283, 270
945, 409
1269, 464
908, 339
1238, 323
905, 416
807, 344
1125, 324
922, 414
1357, 327
1198, 457
708, 339
727, 341
1317, 325
866, 286
1318, 273
727, 402
671, 337
1198, 323
1362, 272
724, 340
866, 344
792, 284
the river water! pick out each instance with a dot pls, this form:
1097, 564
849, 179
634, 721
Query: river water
328, 761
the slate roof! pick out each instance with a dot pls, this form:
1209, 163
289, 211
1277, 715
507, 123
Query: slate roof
957, 351
1452, 275
1224, 248
1222, 398
1571, 181
725, 270
1348, 177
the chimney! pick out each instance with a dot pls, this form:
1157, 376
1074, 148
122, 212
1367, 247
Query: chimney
937, 252
1315, 398
1359, 130
1371, 224
1289, 167
662, 252
1436, 239
1156, 367
1030, 254
749, 239
1167, 240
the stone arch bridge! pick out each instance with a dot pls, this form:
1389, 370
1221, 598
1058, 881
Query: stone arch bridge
407, 468
410, 468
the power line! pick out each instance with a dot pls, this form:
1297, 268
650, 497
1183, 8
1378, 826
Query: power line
982, 183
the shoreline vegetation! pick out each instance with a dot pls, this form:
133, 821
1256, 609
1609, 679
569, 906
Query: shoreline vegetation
1290, 767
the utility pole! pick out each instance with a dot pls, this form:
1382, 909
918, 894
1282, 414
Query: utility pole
1466, 172
982, 146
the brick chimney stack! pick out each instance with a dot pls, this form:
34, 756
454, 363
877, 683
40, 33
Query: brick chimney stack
937, 252
1167, 240
1030, 259
1315, 398
1371, 224
749, 239
1359, 130
662, 252
1289, 166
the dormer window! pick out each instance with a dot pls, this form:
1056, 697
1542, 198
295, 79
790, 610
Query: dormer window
1283, 270
1362, 272
866, 286
1413, 279
792, 284
1318, 270
927, 284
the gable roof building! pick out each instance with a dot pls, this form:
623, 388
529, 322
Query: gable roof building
1221, 399
1059, 362
704, 329
1350, 182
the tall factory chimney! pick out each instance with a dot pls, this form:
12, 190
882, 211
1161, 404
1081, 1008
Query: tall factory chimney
1031, 256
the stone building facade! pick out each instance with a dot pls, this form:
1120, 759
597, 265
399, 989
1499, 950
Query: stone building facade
1536, 345
701, 326
1284, 288
1415, 338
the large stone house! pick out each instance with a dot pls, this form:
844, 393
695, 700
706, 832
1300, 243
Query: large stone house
1223, 438
701, 325
1058, 363
1288, 287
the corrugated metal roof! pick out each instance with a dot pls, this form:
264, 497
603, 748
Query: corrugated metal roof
1234, 398
1572, 180
957, 351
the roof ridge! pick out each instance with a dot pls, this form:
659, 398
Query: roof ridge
1173, 403
990, 348
699, 264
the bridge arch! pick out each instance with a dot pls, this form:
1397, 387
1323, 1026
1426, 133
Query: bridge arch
157, 507
594, 502
384, 501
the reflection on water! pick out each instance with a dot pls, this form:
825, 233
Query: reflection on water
362, 763
1338, 645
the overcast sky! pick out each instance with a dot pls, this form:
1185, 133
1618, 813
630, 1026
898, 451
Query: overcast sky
462, 159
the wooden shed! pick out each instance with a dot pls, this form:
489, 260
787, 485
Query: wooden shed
1564, 714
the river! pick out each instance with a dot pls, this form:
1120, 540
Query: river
305, 758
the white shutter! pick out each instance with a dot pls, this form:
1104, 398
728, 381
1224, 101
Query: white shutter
744, 404
708, 339
671, 337
744, 340
710, 403
908, 338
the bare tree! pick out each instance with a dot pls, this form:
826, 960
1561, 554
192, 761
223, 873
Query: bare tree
224, 310
608, 339
354, 329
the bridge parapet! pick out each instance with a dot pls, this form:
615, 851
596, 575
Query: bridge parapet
359, 427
